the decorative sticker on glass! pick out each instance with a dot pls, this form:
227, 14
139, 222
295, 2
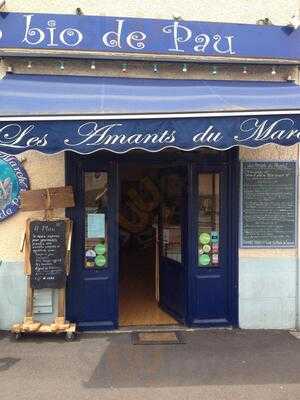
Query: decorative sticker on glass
204, 238
206, 248
100, 260
100, 248
215, 237
215, 259
90, 256
204, 259
215, 248
208, 219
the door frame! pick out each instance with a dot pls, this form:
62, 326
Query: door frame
230, 158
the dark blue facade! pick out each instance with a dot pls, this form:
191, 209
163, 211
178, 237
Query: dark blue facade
208, 297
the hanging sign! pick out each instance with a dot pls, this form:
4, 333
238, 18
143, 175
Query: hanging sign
121, 136
103, 34
13, 181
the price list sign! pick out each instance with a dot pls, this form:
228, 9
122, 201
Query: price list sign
268, 204
47, 254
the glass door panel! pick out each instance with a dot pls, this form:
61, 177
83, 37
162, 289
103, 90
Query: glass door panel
171, 209
96, 207
208, 219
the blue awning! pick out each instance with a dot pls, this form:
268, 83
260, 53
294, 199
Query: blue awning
77, 95
87, 114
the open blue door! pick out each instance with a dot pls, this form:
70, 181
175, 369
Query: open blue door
172, 238
93, 280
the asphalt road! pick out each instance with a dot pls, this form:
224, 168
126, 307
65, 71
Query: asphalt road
212, 364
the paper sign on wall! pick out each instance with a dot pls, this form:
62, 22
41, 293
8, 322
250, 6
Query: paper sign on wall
95, 226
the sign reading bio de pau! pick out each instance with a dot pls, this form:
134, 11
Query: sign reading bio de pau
13, 181
47, 252
268, 204
146, 36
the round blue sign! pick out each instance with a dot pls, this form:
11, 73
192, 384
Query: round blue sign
13, 181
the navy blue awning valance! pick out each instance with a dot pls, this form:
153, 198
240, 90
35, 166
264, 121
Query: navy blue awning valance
87, 114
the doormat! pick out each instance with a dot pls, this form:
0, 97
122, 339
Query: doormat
157, 338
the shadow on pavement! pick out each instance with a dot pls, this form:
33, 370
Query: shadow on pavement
7, 362
208, 358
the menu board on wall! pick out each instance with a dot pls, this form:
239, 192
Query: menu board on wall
47, 254
268, 204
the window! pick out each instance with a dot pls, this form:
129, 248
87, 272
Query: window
96, 203
172, 195
208, 219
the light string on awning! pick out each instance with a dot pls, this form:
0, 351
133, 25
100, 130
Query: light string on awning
158, 67
93, 65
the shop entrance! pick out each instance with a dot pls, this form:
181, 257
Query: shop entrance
155, 239
152, 210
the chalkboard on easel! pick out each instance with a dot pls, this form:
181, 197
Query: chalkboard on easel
268, 204
47, 240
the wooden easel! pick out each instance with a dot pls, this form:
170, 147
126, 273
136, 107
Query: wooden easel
31, 202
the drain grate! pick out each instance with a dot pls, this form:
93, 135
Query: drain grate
157, 338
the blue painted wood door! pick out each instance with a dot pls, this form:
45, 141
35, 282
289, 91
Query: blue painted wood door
93, 279
210, 278
172, 239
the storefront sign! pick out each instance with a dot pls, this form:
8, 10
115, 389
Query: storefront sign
147, 36
268, 206
13, 181
121, 136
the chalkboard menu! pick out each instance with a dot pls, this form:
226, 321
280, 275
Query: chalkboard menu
47, 254
268, 204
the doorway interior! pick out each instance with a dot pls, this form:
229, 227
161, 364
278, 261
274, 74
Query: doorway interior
140, 213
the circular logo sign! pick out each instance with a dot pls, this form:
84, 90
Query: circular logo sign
13, 181
206, 248
100, 248
204, 238
204, 259
100, 261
